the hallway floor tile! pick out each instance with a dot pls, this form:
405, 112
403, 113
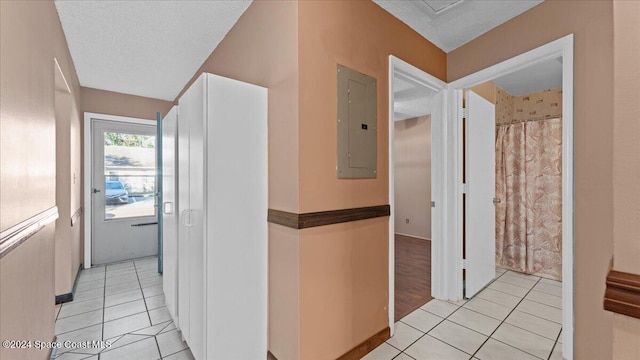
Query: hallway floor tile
122, 303
518, 316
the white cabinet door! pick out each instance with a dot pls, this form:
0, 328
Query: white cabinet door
197, 196
480, 179
183, 229
169, 217
237, 220
191, 192
222, 245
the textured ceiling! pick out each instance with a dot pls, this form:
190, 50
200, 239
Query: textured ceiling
538, 77
449, 23
146, 48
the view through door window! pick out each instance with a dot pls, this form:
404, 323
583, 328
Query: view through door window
129, 175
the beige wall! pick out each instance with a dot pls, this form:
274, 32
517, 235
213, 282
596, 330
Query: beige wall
486, 90
344, 268
262, 49
412, 178
592, 24
27, 294
30, 39
67, 101
114, 103
626, 164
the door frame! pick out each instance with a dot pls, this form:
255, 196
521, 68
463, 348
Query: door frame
87, 170
438, 151
563, 48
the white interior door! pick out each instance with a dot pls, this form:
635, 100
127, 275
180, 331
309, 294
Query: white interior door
480, 179
169, 209
124, 220
438, 119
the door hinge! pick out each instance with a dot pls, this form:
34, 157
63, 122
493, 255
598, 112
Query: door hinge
465, 188
433, 204
496, 201
465, 113
464, 264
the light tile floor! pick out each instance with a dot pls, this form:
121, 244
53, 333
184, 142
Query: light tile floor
122, 303
518, 316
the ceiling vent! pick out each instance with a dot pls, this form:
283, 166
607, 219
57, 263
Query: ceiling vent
437, 7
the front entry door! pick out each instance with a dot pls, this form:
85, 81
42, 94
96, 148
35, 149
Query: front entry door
480, 213
123, 197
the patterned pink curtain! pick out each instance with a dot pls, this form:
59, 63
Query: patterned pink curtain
529, 185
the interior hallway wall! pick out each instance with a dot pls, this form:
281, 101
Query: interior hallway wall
30, 38
344, 267
67, 103
412, 183
592, 25
262, 49
626, 164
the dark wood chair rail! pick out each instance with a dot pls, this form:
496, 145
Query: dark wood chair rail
321, 218
622, 295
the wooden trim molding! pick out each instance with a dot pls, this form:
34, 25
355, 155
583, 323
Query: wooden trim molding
623, 293
367, 346
321, 218
17, 234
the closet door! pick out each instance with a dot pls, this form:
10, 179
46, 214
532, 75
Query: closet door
169, 217
237, 220
197, 194
187, 110
183, 229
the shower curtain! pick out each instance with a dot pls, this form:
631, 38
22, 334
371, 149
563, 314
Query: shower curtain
529, 186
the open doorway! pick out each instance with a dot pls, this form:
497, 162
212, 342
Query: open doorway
531, 244
412, 193
417, 108
453, 260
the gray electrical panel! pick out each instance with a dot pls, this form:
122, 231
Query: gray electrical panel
357, 125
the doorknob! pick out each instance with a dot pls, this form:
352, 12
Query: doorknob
96, 191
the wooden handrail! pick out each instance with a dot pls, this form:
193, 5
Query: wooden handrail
14, 236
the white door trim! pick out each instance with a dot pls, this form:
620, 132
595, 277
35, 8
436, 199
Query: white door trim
88, 142
562, 47
407, 70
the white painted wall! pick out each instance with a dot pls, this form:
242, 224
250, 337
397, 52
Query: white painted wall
412, 142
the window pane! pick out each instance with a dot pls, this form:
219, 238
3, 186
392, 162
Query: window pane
129, 169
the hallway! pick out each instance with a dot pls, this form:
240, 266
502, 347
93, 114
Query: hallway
122, 303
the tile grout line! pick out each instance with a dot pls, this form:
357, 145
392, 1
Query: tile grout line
555, 345
502, 322
440, 322
144, 299
490, 336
